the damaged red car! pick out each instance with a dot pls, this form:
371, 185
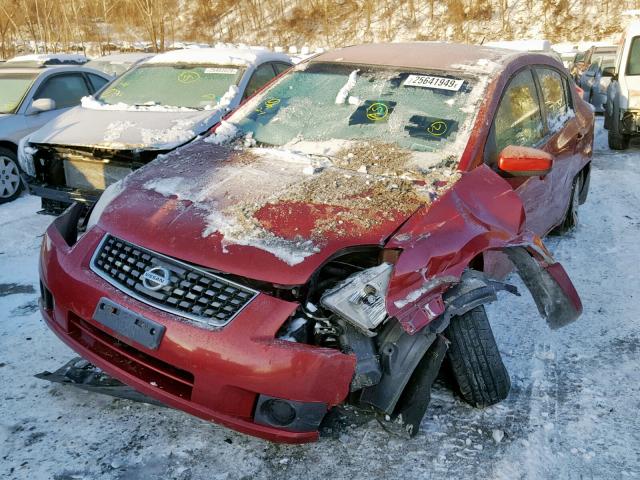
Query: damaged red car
333, 240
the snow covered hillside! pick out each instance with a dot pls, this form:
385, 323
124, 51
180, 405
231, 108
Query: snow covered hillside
572, 412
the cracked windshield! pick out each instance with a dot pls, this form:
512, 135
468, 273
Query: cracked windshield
417, 111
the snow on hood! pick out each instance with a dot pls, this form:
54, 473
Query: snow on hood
135, 129
252, 212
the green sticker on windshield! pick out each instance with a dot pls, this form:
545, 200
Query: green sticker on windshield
188, 77
372, 111
266, 109
430, 128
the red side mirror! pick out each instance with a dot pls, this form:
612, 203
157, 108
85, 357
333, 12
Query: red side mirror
524, 161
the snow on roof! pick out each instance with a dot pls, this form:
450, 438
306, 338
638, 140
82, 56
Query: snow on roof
220, 56
50, 57
533, 45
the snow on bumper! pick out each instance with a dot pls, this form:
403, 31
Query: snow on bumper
218, 375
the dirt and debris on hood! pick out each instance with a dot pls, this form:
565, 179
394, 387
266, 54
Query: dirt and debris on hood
370, 183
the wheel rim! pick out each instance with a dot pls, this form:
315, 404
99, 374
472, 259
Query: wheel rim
9, 177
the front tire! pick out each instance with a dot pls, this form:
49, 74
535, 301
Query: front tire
475, 360
10, 182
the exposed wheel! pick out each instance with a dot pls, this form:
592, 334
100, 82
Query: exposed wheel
10, 181
475, 360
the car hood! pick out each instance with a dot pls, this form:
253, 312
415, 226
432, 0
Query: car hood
264, 214
117, 129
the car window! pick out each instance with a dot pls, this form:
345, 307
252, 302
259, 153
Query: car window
554, 97
518, 120
263, 74
66, 90
97, 82
633, 63
280, 67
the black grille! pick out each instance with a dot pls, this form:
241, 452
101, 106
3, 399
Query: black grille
191, 293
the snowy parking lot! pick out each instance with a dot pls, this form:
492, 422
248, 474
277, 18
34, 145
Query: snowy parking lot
572, 412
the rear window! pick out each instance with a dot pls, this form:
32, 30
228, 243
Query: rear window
633, 63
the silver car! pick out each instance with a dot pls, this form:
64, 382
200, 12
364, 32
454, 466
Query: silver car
153, 108
31, 94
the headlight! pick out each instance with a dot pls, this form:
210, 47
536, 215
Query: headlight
110, 193
25, 156
360, 299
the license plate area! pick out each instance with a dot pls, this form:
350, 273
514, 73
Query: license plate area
129, 324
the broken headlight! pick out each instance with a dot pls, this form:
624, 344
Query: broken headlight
360, 299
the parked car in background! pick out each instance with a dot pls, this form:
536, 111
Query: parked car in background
32, 94
594, 84
153, 108
568, 59
593, 55
118, 63
622, 108
333, 240
577, 65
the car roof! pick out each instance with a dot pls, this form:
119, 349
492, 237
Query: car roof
424, 55
50, 69
220, 55
122, 57
50, 59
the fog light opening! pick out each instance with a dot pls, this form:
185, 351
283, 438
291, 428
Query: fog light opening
279, 412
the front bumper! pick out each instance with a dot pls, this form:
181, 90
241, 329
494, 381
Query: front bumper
218, 375
62, 195
630, 122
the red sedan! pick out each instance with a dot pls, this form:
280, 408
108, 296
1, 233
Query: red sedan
332, 240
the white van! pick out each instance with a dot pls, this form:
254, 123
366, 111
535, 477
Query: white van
622, 109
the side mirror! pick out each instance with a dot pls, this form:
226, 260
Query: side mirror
524, 161
609, 72
42, 105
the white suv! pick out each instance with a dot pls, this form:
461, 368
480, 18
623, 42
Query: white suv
622, 109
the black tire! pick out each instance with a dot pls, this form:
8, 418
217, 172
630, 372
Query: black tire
571, 218
617, 140
10, 182
475, 360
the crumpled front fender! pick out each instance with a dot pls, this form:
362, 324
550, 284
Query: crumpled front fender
481, 212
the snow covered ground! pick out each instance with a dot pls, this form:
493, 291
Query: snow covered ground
572, 412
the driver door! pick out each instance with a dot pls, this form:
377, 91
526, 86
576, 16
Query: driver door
518, 121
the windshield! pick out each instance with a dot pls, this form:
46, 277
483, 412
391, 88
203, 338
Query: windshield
417, 111
180, 85
13, 88
633, 65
